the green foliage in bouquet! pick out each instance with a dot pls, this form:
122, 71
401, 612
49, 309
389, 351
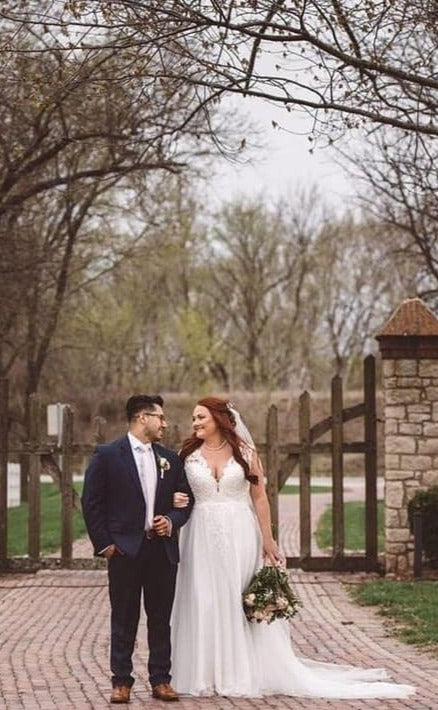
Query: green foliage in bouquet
426, 503
269, 596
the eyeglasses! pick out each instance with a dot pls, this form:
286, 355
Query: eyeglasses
161, 417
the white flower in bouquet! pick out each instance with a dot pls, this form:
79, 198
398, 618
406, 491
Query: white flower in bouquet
259, 615
250, 599
282, 603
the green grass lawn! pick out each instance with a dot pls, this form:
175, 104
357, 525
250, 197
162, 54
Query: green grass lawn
50, 523
354, 522
412, 606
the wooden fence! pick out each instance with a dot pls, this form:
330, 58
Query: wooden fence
42, 455
281, 460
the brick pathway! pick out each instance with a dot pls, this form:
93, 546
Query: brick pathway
54, 643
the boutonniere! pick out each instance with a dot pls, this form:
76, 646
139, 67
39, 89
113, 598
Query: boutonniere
164, 466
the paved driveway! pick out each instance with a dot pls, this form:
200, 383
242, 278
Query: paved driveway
54, 629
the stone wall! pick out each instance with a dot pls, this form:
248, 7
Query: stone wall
411, 449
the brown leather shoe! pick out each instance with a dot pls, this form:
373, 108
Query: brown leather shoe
120, 694
164, 691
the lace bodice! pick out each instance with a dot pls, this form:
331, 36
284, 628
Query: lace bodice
231, 485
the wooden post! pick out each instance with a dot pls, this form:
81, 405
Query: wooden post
34, 497
99, 424
305, 472
337, 468
24, 477
99, 430
272, 464
172, 437
67, 488
4, 417
370, 433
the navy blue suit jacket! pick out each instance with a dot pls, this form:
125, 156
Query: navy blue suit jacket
113, 505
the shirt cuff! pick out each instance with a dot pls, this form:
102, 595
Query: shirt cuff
104, 549
169, 532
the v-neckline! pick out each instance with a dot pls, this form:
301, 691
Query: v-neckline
207, 465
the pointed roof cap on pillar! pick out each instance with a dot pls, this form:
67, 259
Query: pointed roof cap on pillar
410, 332
412, 317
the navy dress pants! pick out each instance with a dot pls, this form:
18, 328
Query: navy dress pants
151, 573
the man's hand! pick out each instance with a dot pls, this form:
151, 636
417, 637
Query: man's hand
110, 551
161, 525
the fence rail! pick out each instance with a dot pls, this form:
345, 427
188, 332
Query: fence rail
281, 459
284, 458
41, 458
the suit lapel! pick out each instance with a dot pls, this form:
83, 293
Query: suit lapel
129, 462
157, 466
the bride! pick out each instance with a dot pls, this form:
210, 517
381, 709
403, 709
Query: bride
215, 650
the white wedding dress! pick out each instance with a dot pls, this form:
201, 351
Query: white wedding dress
215, 650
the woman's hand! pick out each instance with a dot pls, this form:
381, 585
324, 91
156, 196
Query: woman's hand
180, 500
272, 552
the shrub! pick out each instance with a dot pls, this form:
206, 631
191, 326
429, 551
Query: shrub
426, 503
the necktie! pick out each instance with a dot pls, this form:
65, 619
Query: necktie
148, 482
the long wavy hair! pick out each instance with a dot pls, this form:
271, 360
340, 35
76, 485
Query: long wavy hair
225, 422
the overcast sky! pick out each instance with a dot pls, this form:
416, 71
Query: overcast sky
285, 163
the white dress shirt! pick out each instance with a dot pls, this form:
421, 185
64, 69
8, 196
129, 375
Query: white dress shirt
147, 471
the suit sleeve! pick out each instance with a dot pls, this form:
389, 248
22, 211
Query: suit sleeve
94, 506
179, 516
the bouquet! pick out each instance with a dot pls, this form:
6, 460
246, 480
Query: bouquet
269, 596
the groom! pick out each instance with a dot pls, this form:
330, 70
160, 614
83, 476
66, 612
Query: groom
127, 504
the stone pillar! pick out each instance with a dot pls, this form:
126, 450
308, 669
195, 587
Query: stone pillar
409, 348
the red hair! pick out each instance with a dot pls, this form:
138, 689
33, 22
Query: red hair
226, 423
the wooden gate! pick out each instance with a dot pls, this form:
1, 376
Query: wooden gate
282, 459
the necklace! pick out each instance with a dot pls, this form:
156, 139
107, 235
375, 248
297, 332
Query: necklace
215, 448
